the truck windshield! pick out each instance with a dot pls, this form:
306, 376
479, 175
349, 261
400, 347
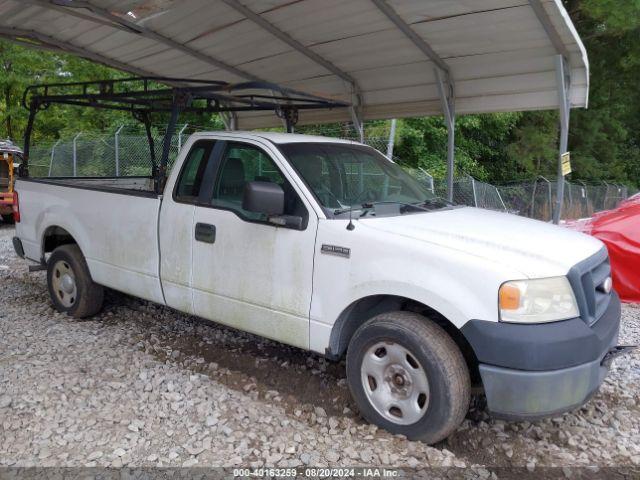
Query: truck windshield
344, 176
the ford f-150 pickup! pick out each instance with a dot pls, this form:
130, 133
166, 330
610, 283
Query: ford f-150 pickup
329, 246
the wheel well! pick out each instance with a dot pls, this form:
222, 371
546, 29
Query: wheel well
55, 236
362, 310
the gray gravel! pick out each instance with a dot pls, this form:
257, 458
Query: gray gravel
144, 385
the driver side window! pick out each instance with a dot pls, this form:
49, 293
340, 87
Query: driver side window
244, 163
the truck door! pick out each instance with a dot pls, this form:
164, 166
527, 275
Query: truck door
249, 273
176, 224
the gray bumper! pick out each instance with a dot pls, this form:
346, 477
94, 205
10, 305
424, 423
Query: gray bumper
522, 395
534, 371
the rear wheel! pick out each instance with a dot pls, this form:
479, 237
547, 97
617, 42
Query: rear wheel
8, 218
70, 285
408, 376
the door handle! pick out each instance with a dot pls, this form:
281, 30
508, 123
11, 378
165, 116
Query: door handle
205, 232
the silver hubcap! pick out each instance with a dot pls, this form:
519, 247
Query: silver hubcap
64, 283
395, 383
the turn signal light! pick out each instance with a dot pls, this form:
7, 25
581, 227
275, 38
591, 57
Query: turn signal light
509, 297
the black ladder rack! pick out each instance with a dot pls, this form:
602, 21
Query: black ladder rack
143, 96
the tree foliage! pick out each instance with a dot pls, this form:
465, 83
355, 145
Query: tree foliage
21, 67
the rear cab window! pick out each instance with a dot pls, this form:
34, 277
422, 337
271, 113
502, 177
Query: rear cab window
189, 184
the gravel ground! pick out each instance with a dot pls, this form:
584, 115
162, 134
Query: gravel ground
143, 385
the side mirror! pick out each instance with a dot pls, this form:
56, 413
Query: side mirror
263, 197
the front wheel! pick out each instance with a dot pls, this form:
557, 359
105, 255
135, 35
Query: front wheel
70, 285
408, 376
7, 218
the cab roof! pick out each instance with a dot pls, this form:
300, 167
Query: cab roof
282, 138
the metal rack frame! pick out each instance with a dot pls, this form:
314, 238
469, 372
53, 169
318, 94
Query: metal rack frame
144, 96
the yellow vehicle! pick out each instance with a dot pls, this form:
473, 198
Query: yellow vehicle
10, 158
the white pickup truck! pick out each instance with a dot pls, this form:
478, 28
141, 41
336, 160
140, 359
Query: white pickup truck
328, 246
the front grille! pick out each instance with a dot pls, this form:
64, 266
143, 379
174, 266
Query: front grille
587, 279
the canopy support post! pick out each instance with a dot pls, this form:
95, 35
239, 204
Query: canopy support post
448, 99
356, 118
392, 138
563, 77
230, 120
53, 154
75, 154
116, 145
184, 127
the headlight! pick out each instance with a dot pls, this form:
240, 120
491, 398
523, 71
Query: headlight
537, 301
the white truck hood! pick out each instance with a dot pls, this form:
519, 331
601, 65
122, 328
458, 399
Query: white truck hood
535, 248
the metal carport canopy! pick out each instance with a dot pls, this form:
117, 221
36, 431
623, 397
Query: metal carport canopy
388, 58
380, 55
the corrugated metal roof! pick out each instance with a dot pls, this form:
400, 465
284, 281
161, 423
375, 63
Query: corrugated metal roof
499, 53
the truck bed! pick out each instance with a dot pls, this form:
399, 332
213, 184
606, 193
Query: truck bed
114, 222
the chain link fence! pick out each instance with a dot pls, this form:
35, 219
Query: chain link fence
126, 154
90, 155
534, 199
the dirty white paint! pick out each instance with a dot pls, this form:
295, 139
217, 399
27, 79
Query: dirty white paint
451, 260
256, 277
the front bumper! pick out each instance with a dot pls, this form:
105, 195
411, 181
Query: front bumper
520, 395
535, 371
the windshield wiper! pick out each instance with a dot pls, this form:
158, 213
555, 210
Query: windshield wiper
340, 211
404, 206
367, 206
424, 205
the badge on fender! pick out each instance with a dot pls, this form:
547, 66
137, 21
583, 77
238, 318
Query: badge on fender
336, 250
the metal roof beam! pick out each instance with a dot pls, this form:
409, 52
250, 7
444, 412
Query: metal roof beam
104, 17
292, 42
40, 41
548, 26
417, 40
446, 88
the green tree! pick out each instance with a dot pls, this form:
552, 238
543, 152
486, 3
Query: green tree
480, 143
604, 138
19, 67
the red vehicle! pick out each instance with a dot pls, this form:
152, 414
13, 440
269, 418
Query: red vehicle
619, 229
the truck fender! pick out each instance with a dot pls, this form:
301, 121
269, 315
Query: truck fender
57, 217
377, 297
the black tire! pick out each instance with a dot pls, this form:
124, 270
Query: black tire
8, 218
446, 403
86, 297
